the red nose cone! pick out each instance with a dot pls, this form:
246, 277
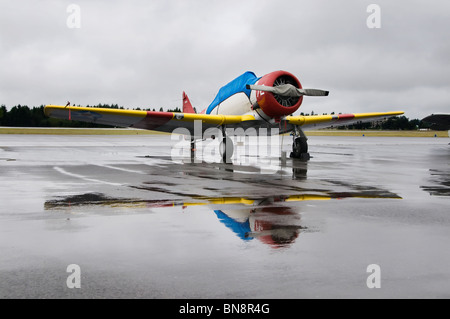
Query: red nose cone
274, 105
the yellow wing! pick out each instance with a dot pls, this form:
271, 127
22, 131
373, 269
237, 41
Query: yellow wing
149, 120
169, 121
323, 121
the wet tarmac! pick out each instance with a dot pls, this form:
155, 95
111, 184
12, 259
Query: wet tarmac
141, 221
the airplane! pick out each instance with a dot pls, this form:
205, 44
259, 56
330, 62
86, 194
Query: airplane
261, 103
273, 220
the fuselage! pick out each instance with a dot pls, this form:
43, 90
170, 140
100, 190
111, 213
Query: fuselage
235, 98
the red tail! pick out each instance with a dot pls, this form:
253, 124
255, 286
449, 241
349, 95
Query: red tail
187, 106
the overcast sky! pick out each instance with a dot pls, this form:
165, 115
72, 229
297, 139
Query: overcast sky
146, 53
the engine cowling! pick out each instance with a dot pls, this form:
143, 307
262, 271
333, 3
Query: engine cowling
274, 105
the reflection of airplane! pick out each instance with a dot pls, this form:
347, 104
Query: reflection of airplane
277, 226
272, 220
438, 121
261, 103
102, 200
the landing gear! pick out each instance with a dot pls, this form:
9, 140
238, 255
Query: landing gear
193, 149
300, 145
226, 147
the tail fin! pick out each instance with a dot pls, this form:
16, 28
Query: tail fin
187, 106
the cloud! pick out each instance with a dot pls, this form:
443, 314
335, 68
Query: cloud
144, 54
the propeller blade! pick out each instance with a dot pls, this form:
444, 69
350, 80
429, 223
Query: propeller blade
288, 90
313, 92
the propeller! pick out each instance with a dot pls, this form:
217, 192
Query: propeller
288, 90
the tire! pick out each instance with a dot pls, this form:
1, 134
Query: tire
299, 147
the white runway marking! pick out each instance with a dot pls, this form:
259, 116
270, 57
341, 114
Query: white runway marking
121, 169
62, 171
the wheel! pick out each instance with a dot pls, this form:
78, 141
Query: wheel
299, 147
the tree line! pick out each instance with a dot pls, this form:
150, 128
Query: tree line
23, 116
